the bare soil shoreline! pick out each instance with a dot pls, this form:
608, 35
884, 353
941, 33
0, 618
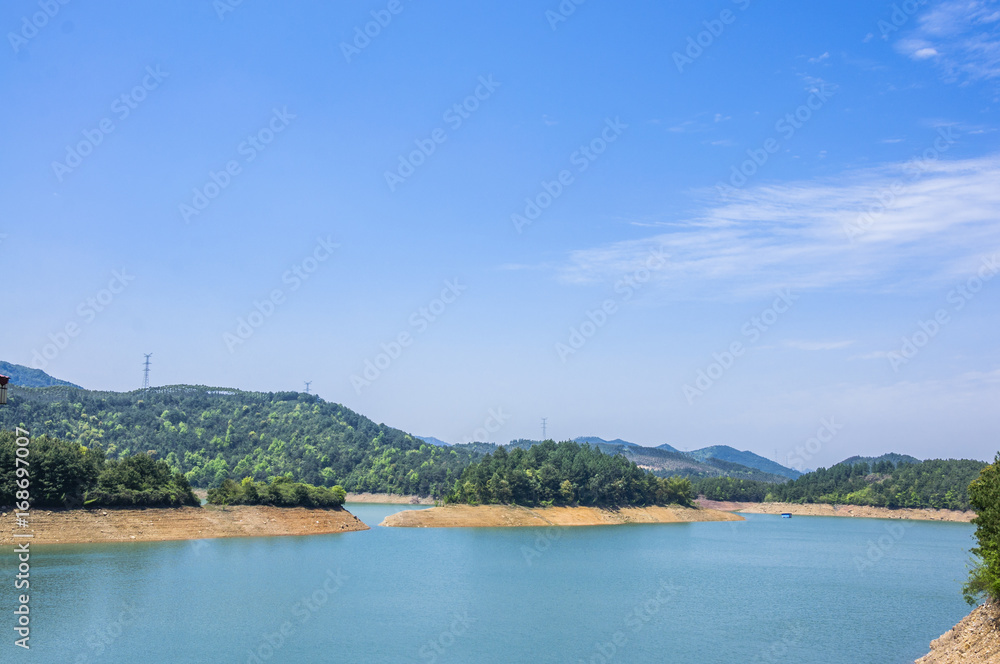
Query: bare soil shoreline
822, 509
89, 526
388, 499
500, 516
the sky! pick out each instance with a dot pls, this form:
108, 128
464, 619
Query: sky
766, 225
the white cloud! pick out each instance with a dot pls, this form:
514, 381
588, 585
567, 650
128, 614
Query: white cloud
940, 223
963, 36
874, 355
818, 345
820, 58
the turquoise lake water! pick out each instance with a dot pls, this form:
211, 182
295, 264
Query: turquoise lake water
803, 590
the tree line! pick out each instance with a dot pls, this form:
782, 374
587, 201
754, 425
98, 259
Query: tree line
280, 492
62, 474
566, 473
933, 484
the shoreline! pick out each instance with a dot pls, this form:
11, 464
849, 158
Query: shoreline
824, 509
162, 524
388, 499
974, 640
516, 516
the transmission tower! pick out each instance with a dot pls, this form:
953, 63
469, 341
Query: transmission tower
308, 383
145, 373
544, 420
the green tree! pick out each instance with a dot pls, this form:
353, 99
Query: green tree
984, 494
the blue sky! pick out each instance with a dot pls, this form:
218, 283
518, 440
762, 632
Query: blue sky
277, 199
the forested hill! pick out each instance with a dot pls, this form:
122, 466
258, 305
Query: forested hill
937, 483
28, 377
566, 473
214, 434
659, 461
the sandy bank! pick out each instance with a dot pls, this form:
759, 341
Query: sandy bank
159, 524
818, 509
975, 640
388, 498
492, 516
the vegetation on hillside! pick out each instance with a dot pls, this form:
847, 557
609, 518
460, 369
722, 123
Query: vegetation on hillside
935, 484
661, 462
732, 489
984, 494
281, 492
211, 435
566, 473
64, 474
28, 377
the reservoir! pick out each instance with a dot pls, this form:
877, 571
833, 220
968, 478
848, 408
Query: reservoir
807, 590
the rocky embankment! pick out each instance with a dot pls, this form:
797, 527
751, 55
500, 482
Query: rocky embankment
183, 523
388, 498
975, 640
822, 509
499, 516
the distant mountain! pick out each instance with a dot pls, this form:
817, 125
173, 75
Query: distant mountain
669, 448
28, 377
594, 440
892, 457
662, 462
745, 458
433, 441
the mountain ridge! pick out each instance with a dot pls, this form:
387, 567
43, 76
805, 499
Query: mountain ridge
23, 376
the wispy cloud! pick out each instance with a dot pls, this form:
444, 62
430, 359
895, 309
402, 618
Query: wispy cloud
874, 355
960, 36
818, 345
792, 235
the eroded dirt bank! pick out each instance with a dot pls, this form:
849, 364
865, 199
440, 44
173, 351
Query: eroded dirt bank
975, 640
388, 498
492, 516
819, 509
184, 523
